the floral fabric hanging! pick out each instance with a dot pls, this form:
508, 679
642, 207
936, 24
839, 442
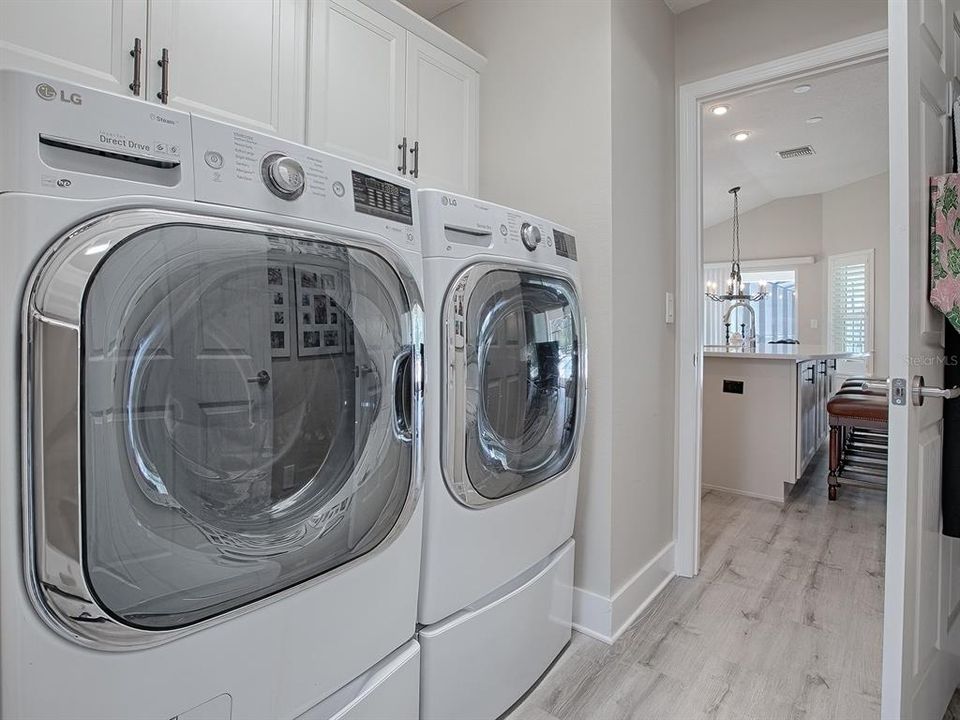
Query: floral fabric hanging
945, 246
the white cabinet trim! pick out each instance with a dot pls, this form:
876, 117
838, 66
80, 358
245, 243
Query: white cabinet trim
423, 28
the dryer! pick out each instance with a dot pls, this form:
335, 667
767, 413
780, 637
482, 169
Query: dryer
210, 485
506, 387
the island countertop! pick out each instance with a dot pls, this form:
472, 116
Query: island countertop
788, 353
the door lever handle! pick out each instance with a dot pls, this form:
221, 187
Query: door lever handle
875, 387
921, 391
261, 378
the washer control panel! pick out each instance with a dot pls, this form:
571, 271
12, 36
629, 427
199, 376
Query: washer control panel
565, 244
529, 236
382, 198
246, 169
282, 175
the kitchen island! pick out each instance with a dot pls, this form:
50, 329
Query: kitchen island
764, 416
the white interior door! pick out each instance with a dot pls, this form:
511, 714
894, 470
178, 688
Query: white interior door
922, 592
82, 41
242, 63
442, 116
355, 83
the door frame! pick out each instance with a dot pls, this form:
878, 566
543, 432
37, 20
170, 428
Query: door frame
689, 352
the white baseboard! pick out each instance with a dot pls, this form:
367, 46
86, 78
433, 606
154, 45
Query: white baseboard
745, 493
591, 615
604, 618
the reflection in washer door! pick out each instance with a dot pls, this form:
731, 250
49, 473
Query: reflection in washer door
522, 355
239, 434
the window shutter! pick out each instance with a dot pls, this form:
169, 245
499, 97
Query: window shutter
851, 277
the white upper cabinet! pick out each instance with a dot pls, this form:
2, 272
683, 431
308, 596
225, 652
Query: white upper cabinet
442, 117
355, 83
368, 80
88, 42
240, 62
387, 88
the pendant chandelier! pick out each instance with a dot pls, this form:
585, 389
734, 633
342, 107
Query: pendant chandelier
735, 289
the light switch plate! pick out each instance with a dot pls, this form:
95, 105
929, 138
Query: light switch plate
814, 324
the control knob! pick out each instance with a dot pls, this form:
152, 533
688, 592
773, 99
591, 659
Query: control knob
530, 235
283, 176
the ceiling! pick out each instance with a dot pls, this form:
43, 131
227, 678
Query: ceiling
679, 6
850, 142
431, 8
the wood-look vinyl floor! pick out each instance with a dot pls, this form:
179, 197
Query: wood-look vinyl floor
785, 620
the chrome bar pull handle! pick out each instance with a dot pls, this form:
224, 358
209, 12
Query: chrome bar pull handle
416, 159
164, 63
137, 55
921, 391
402, 147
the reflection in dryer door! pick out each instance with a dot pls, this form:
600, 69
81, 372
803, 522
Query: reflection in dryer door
522, 380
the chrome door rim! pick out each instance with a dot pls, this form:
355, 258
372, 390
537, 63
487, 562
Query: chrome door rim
57, 586
453, 416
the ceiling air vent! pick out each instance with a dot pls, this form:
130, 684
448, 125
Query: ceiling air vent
796, 152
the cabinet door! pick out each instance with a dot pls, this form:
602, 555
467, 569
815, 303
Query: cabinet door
82, 41
806, 414
442, 115
355, 84
242, 63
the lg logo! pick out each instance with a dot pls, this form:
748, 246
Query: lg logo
46, 91
444, 200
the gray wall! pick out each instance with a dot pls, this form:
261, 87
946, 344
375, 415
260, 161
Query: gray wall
726, 35
576, 124
644, 252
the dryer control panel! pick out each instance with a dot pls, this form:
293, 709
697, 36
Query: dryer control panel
460, 226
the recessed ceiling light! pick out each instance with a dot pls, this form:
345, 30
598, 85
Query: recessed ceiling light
741, 135
801, 89
720, 109
814, 120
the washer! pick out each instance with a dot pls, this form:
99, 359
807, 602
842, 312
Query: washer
506, 387
211, 483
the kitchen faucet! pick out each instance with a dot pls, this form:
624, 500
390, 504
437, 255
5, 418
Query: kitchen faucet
750, 340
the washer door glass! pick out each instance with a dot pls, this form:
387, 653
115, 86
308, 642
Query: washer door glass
522, 375
246, 418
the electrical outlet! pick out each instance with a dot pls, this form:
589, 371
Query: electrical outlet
669, 309
814, 324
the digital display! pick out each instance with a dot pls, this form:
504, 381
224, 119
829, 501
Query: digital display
565, 244
374, 196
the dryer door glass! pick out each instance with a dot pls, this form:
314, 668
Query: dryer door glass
247, 420
522, 375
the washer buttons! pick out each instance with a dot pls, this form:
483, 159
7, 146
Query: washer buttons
338, 189
503, 230
213, 159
